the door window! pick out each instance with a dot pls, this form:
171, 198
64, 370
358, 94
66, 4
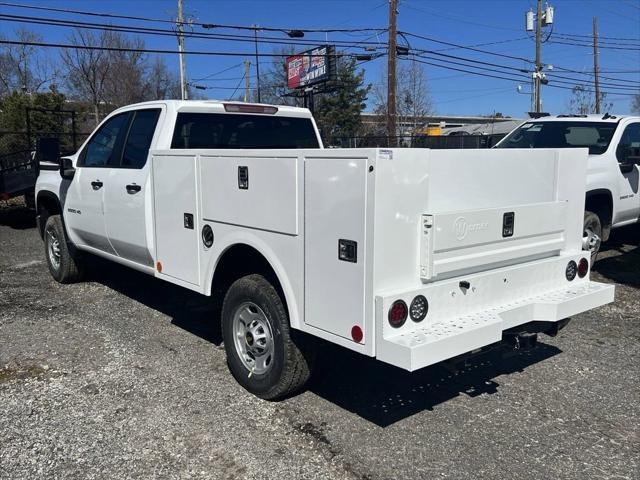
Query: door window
629, 146
138, 142
105, 146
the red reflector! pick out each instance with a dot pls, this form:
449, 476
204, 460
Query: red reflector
159, 267
356, 334
583, 267
248, 108
398, 314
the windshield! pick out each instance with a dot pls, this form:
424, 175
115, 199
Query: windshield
596, 136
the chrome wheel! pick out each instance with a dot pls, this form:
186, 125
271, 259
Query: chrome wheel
53, 248
253, 338
591, 241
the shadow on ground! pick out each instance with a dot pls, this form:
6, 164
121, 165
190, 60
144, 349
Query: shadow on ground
375, 391
188, 310
17, 216
384, 395
619, 259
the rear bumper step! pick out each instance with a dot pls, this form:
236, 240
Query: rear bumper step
441, 340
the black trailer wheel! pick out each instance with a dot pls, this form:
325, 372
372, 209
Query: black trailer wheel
64, 265
261, 354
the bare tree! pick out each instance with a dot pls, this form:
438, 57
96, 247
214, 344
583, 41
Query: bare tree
273, 84
582, 101
87, 69
160, 82
125, 76
414, 99
24, 67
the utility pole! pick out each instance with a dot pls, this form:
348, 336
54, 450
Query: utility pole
183, 63
255, 36
542, 19
537, 78
247, 77
595, 63
391, 73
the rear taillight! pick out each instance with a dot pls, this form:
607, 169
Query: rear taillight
583, 267
571, 271
398, 314
419, 308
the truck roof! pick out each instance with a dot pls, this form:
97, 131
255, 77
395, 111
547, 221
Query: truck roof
217, 106
582, 118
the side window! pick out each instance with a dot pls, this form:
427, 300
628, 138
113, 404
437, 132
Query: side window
105, 146
629, 146
136, 149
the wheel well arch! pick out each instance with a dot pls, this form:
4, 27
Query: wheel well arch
600, 202
239, 260
47, 204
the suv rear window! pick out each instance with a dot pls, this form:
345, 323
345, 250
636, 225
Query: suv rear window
223, 130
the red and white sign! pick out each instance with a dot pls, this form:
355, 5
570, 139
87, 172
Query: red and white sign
308, 67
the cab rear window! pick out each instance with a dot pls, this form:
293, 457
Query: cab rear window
220, 130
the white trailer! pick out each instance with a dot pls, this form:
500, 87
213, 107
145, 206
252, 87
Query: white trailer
411, 256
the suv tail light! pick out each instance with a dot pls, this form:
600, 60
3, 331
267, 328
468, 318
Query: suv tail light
398, 314
583, 267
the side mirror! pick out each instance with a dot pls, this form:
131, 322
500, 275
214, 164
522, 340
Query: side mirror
67, 171
628, 157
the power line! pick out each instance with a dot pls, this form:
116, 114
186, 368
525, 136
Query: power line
172, 33
153, 50
489, 75
637, 39
465, 47
186, 23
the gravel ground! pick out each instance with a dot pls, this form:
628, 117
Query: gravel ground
124, 376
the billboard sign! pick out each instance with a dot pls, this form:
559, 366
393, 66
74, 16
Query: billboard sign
310, 67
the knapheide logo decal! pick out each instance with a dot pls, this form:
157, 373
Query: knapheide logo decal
461, 228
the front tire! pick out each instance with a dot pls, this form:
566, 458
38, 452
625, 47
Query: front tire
261, 353
64, 265
592, 234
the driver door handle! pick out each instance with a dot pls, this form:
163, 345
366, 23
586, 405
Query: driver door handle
97, 185
133, 188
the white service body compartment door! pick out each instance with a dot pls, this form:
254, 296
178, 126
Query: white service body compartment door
267, 199
335, 208
175, 191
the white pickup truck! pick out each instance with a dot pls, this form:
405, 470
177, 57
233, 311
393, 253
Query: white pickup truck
613, 171
411, 256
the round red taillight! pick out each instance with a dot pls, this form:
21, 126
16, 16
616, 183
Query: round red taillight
398, 314
571, 270
356, 334
583, 267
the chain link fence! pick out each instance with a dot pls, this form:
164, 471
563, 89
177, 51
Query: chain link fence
416, 141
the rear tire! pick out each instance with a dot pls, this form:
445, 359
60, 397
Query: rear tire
592, 234
64, 264
261, 354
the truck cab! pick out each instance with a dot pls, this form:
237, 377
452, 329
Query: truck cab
612, 198
104, 195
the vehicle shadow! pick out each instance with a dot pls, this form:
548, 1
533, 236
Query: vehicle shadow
17, 216
620, 257
188, 310
384, 395
375, 391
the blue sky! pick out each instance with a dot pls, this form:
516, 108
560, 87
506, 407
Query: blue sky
464, 22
